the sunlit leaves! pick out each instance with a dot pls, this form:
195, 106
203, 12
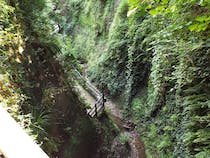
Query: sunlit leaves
179, 13
11, 47
201, 23
156, 11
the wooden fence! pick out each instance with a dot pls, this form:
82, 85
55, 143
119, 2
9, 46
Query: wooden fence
99, 106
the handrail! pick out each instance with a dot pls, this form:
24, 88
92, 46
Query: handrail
94, 91
99, 106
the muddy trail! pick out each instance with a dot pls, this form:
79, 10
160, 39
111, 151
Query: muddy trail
115, 114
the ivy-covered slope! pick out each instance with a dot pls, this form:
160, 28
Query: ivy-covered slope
155, 55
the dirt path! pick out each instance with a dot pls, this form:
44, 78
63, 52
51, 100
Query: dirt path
137, 146
84, 94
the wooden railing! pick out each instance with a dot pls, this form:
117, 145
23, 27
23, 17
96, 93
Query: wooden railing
99, 106
88, 86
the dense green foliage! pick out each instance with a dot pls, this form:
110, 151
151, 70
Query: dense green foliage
33, 85
11, 47
155, 55
18, 32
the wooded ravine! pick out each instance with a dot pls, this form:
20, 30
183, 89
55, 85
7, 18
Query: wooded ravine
146, 62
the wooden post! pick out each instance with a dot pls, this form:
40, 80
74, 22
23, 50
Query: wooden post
96, 110
103, 97
103, 101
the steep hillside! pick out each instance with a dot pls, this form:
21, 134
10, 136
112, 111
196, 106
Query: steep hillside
154, 57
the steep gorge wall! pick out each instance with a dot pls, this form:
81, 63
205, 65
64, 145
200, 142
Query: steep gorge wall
157, 60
